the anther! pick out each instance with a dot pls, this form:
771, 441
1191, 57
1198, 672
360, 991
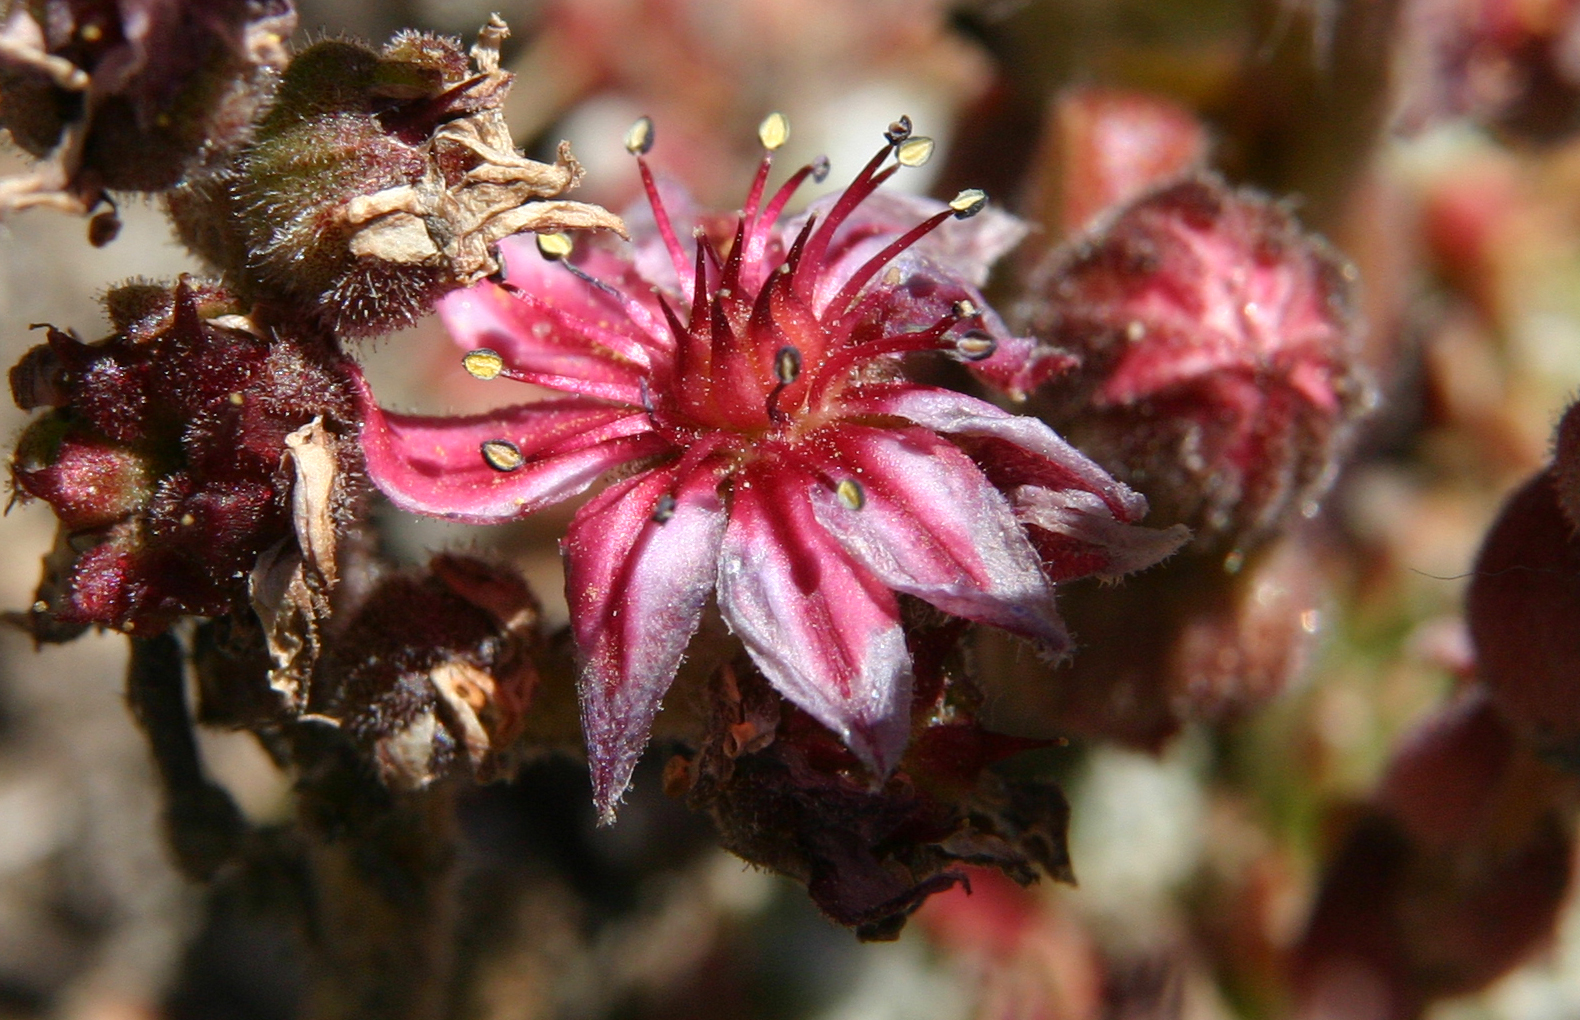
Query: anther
850, 494
968, 203
483, 363
500, 273
898, 131
639, 139
819, 169
774, 131
914, 151
964, 308
787, 365
976, 345
664, 510
502, 455
554, 246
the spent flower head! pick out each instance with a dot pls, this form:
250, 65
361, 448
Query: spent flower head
767, 450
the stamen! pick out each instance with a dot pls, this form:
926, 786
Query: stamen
977, 345
964, 308
502, 455
664, 510
851, 494
483, 363
866, 182
968, 203
899, 130
841, 303
639, 139
914, 151
774, 131
757, 236
787, 365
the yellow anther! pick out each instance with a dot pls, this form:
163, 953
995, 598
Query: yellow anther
850, 494
914, 151
483, 363
774, 131
639, 139
555, 246
968, 203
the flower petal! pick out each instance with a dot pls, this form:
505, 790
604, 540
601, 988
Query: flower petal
824, 631
931, 525
638, 573
1012, 449
435, 465
1077, 535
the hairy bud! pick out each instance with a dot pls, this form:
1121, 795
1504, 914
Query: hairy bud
163, 453
378, 181
1218, 346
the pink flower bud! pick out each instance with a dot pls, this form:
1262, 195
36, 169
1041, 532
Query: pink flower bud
1218, 356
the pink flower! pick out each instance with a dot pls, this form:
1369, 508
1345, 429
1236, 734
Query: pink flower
768, 450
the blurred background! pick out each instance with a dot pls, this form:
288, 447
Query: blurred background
1430, 140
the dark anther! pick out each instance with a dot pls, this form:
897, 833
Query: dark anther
502, 455
820, 169
787, 365
899, 131
664, 510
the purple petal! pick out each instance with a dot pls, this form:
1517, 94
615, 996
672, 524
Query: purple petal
824, 631
435, 465
1012, 449
1083, 539
931, 525
637, 585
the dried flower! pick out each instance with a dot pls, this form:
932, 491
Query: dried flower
378, 181
127, 96
1219, 364
164, 453
432, 673
770, 451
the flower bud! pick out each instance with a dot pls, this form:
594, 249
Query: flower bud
163, 454
1219, 369
378, 181
1522, 607
1456, 873
124, 96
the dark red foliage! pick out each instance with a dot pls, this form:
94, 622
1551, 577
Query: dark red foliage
1454, 876
785, 794
162, 452
1523, 607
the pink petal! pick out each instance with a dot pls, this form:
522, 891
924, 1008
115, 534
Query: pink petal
636, 588
1012, 449
1081, 538
931, 525
824, 631
435, 465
